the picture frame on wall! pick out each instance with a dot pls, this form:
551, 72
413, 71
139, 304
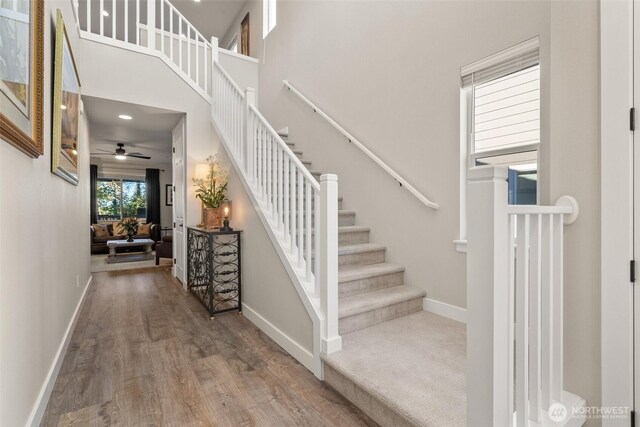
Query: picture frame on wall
168, 195
22, 75
245, 35
66, 108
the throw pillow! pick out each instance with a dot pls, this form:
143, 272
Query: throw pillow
144, 229
101, 230
118, 230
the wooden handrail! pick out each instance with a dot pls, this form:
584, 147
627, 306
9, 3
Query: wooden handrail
403, 182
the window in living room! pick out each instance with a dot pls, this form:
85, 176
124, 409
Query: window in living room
121, 198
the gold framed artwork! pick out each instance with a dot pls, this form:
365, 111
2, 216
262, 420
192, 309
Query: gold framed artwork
66, 108
245, 35
22, 75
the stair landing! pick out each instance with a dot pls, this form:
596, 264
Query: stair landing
408, 371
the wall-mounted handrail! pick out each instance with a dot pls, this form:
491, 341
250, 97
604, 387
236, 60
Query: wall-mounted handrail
403, 182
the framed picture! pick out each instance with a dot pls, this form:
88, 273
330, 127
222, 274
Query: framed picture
22, 74
66, 108
244, 35
168, 194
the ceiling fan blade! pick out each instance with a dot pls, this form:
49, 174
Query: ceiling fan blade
106, 151
135, 154
138, 156
102, 154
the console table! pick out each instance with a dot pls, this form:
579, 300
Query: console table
214, 268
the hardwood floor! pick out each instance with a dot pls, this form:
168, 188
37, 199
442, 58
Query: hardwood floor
144, 353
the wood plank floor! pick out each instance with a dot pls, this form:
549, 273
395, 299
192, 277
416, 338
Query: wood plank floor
144, 353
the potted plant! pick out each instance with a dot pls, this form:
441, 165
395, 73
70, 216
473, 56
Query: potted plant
130, 225
210, 189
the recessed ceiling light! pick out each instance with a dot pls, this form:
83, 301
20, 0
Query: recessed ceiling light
105, 13
125, 117
63, 107
197, 1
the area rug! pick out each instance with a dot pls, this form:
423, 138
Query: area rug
99, 263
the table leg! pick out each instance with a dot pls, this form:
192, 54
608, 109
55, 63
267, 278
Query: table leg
112, 251
147, 249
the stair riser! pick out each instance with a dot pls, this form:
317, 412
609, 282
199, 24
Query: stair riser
360, 286
367, 403
379, 315
346, 220
348, 238
353, 238
364, 258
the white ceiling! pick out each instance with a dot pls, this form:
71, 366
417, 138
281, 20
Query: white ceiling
210, 17
148, 133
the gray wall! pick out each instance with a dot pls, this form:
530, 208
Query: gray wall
388, 71
44, 257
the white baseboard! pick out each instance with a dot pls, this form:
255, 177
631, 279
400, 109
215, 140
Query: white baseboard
35, 418
443, 309
300, 353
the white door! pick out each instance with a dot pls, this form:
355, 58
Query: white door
635, 153
179, 238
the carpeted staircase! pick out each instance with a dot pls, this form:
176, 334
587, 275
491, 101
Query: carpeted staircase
371, 289
373, 294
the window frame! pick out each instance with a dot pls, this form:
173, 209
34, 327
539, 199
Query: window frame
269, 17
468, 156
121, 182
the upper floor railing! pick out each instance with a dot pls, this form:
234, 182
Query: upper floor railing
395, 175
515, 307
153, 27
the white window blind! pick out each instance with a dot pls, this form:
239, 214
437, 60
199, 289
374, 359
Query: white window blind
506, 111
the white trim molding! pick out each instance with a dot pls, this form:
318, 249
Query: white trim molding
37, 412
291, 346
443, 309
616, 95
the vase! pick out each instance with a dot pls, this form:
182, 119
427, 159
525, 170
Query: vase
130, 239
212, 218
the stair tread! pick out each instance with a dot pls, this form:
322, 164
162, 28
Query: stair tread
352, 229
368, 301
346, 211
360, 248
431, 395
357, 272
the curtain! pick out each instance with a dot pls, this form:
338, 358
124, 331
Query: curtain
93, 173
152, 184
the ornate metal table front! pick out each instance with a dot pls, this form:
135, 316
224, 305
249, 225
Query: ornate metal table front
213, 268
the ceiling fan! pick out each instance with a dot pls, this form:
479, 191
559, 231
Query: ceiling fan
120, 153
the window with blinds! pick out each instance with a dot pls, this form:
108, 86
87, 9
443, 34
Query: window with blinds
503, 123
506, 111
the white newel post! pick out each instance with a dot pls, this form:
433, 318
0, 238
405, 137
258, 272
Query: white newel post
249, 99
151, 24
489, 325
328, 215
215, 97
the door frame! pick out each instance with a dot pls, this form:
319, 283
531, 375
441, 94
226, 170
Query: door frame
616, 95
182, 123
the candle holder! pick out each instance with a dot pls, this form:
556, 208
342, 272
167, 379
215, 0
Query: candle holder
225, 207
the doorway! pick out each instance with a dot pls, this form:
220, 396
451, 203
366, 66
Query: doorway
179, 179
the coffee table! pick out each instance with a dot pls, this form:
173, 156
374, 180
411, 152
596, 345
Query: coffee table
129, 257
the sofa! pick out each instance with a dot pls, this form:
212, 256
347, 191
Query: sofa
164, 248
99, 244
